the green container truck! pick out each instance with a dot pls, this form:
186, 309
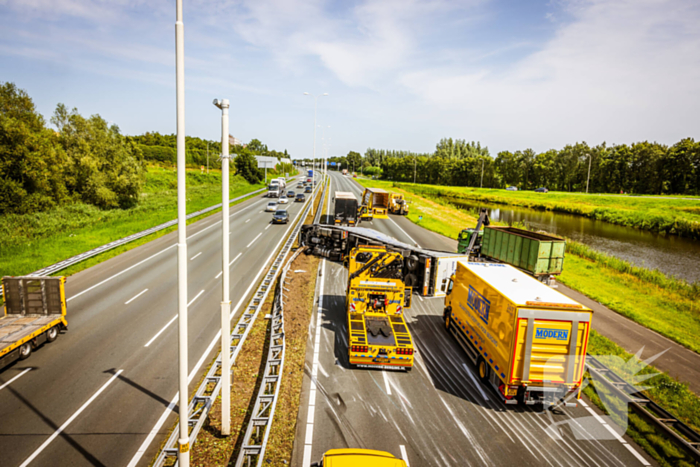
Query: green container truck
537, 253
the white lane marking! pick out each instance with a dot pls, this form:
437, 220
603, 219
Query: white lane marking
404, 455
268, 226
136, 296
404, 232
152, 256
234, 259
421, 298
254, 240
156, 428
172, 320
386, 383
70, 420
195, 256
637, 455
16, 377
308, 442
476, 383
595, 415
583, 403
247, 221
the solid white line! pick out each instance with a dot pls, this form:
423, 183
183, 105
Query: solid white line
136, 296
595, 415
254, 240
404, 455
636, 454
476, 383
247, 221
583, 403
195, 256
386, 383
16, 377
308, 442
70, 420
156, 428
172, 321
404, 232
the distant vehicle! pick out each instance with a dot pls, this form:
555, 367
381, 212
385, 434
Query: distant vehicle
290, 194
271, 206
512, 188
345, 171
281, 216
310, 173
541, 190
308, 189
364, 457
300, 198
283, 200
300, 185
35, 313
345, 211
354, 175
309, 180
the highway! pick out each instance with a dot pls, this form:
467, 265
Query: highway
104, 392
439, 414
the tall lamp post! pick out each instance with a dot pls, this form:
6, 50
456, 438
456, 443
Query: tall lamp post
225, 300
184, 439
313, 180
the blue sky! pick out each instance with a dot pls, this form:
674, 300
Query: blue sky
401, 74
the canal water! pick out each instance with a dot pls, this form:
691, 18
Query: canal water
673, 255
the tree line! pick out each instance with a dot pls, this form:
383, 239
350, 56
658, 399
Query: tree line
639, 168
83, 160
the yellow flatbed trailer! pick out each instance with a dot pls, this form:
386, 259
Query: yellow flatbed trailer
526, 339
379, 336
34, 313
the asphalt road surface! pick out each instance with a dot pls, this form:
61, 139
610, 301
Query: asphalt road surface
99, 394
439, 414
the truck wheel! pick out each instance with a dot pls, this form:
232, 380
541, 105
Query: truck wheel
25, 351
483, 369
447, 319
410, 280
412, 263
52, 334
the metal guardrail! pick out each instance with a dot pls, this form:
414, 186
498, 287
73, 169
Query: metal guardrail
48, 270
678, 432
209, 389
255, 442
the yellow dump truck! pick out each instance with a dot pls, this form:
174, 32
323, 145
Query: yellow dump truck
526, 339
376, 299
397, 204
374, 204
35, 313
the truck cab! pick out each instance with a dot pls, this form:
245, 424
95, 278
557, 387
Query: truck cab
376, 300
397, 204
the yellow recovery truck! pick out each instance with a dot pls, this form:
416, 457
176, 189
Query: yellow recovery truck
397, 204
527, 340
374, 204
376, 299
35, 312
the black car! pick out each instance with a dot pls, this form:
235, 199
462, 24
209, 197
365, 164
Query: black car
290, 194
281, 216
308, 189
300, 198
541, 190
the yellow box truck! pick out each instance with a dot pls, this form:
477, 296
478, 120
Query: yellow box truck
526, 339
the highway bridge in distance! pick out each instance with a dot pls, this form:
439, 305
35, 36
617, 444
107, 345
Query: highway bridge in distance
104, 393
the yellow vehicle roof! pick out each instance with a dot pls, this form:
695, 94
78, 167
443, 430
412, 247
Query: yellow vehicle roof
360, 457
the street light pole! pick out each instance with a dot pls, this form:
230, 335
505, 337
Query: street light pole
589, 172
481, 184
225, 300
184, 439
313, 179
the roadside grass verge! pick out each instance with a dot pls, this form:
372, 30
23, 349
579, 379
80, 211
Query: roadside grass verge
33, 241
669, 215
298, 306
673, 396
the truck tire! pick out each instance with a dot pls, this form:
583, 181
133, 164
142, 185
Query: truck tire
25, 350
52, 334
483, 369
410, 280
412, 263
446, 316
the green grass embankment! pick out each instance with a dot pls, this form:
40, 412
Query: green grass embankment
663, 214
664, 304
33, 241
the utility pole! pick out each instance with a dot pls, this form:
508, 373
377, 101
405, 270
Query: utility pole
589, 172
481, 184
184, 439
225, 300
